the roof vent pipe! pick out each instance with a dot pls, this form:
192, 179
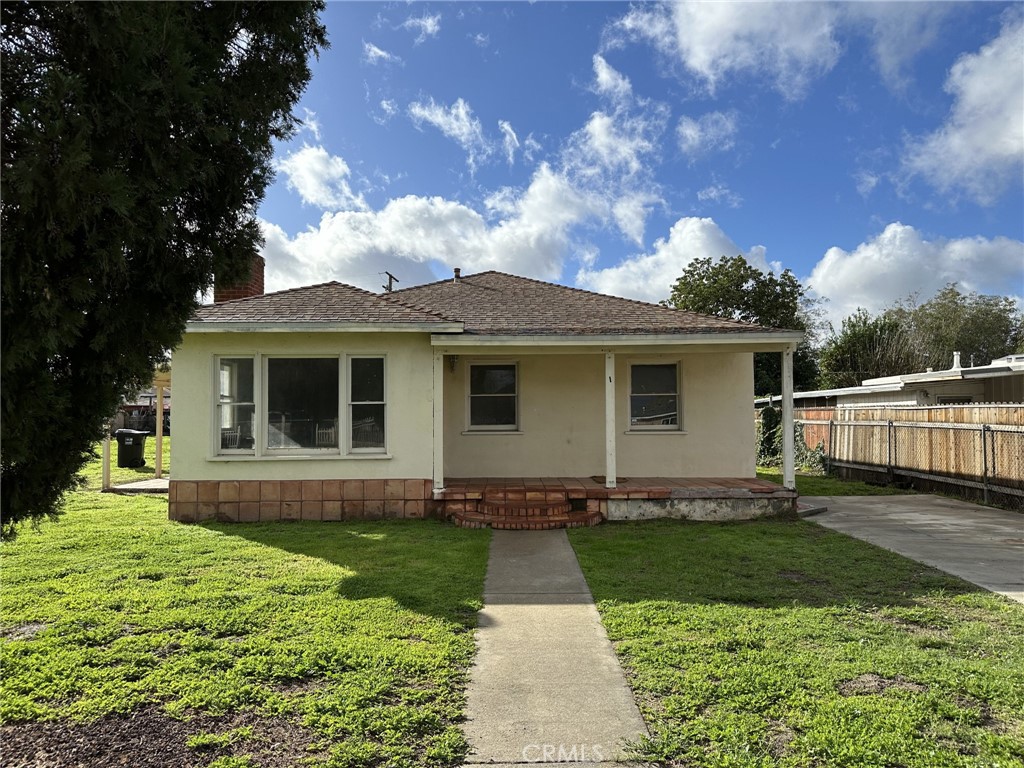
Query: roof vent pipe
458, 274
956, 361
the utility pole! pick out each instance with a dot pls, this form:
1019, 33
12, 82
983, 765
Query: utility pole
391, 282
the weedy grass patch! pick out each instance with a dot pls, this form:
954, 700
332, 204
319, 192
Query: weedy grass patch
350, 640
786, 644
827, 485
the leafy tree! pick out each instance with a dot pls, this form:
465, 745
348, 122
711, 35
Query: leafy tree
909, 337
976, 325
137, 141
731, 287
867, 347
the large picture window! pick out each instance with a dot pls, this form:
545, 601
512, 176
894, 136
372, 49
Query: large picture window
366, 403
236, 404
654, 396
493, 394
302, 395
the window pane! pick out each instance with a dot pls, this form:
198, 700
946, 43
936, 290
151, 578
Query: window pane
236, 426
367, 426
492, 379
302, 400
654, 379
649, 410
367, 379
492, 411
236, 379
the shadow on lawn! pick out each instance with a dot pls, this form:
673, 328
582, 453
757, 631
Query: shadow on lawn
761, 564
423, 565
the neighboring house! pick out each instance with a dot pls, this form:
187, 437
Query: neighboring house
1001, 381
331, 402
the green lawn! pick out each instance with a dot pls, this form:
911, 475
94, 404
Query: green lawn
344, 642
93, 471
819, 485
785, 644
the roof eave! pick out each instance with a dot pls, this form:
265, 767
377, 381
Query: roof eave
256, 326
776, 340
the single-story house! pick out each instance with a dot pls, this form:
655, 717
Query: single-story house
494, 399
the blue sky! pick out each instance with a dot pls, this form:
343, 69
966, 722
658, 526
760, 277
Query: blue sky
874, 149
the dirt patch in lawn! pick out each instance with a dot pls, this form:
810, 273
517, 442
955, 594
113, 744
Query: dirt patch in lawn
148, 738
872, 683
22, 631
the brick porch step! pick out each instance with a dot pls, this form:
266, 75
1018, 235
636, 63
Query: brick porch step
525, 508
527, 522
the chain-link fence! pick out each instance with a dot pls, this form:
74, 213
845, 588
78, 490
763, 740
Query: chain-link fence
946, 448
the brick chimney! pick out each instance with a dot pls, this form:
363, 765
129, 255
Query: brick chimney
253, 286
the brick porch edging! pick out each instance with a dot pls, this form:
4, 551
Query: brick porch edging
251, 501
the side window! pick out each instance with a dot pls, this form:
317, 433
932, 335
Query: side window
302, 396
493, 395
654, 396
366, 403
236, 405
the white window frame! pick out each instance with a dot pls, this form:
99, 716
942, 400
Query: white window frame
485, 428
346, 423
678, 426
264, 445
215, 418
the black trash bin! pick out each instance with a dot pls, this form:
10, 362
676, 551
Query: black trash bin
131, 447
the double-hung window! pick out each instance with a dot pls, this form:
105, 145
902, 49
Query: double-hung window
654, 402
493, 397
236, 405
300, 405
366, 404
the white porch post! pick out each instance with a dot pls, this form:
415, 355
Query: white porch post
788, 461
158, 461
609, 420
438, 471
105, 483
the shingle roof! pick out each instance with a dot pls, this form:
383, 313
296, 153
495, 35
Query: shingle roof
495, 303
327, 303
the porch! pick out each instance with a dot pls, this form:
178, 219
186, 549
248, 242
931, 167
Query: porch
539, 503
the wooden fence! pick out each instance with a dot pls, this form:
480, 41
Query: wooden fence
980, 447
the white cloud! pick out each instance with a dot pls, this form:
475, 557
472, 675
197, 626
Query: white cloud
719, 193
900, 261
531, 147
310, 123
427, 26
866, 182
898, 32
374, 55
531, 236
458, 123
480, 40
789, 43
610, 82
321, 179
509, 140
650, 276
980, 148
715, 131
615, 144
630, 212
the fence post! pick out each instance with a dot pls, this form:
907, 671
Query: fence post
828, 450
890, 450
984, 461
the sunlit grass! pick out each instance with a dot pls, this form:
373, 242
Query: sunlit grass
785, 644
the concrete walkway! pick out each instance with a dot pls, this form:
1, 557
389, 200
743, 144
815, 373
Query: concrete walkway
546, 686
982, 545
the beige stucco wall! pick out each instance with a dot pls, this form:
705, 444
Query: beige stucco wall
409, 424
562, 421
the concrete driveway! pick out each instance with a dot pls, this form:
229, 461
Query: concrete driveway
982, 545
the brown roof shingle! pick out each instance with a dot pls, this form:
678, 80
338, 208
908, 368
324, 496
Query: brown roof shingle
325, 303
495, 303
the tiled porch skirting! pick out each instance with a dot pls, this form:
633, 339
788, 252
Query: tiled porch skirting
251, 501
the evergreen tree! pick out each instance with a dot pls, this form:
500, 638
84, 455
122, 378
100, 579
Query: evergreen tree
137, 143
